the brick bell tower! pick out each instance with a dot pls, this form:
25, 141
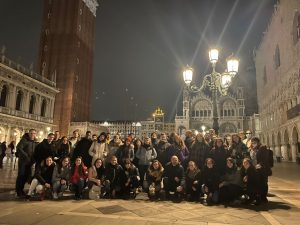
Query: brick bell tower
66, 56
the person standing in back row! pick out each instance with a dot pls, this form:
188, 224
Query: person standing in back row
25, 150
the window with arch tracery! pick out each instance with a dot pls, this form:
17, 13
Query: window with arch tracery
296, 28
32, 104
228, 109
202, 109
19, 100
3, 97
43, 108
277, 57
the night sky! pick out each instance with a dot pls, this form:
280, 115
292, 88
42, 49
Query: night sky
142, 46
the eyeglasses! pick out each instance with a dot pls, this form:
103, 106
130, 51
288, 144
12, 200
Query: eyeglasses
248, 133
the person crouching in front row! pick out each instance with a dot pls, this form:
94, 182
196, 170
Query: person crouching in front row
152, 183
114, 178
132, 179
96, 179
231, 186
210, 181
42, 179
78, 177
193, 182
61, 177
174, 179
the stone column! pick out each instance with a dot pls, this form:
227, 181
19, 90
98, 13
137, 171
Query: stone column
12, 97
284, 153
26, 101
277, 151
37, 106
294, 151
8, 135
51, 105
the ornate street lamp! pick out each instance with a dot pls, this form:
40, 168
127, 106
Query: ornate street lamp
216, 82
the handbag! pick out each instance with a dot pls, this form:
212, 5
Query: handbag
95, 192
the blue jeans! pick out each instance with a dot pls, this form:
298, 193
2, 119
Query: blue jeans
78, 188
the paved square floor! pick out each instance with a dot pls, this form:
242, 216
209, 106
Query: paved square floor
283, 207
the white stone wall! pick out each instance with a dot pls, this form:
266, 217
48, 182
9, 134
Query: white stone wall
278, 86
14, 123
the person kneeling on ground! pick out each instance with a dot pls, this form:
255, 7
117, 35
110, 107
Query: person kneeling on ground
153, 180
174, 179
96, 179
132, 179
42, 179
210, 181
251, 180
61, 177
231, 186
193, 182
78, 177
114, 178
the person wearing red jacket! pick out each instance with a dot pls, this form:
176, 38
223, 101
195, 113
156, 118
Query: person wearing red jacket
79, 175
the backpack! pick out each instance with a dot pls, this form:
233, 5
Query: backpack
271, 159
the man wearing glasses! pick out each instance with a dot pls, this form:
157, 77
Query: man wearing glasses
247, 141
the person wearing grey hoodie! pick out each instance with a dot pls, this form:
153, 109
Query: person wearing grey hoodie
145, 154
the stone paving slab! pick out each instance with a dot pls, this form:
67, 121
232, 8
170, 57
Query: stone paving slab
283, 208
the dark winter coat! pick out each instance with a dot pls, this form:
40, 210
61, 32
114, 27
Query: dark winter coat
198, 153
44, 174
175, 171
42, 151
25, 150
82, 149
211, 178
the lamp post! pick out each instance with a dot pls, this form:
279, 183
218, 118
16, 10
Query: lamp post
203, 129
216, 82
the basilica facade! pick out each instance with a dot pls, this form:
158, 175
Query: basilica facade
277, 64
198, 112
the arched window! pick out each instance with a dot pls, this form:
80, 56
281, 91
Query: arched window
265, 78
228, 108
19, 100
31, 104
277, 57
43, 107
296, 28
3, 97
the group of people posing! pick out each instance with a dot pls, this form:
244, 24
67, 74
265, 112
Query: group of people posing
196, 167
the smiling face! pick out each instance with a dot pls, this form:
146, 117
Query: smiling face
147, 141
229, 164
49, 161
78, 162
98, 163
192, 166
246, 164
114, 161
209, 163
65, 140
174, 160
65, 162
155, 165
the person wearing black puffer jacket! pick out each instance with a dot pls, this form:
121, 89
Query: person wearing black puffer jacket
193, 182
25, 150
114, 178
43, 150
231, 186
251, 179
219, 154
210, 181
174, 179
42, 179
